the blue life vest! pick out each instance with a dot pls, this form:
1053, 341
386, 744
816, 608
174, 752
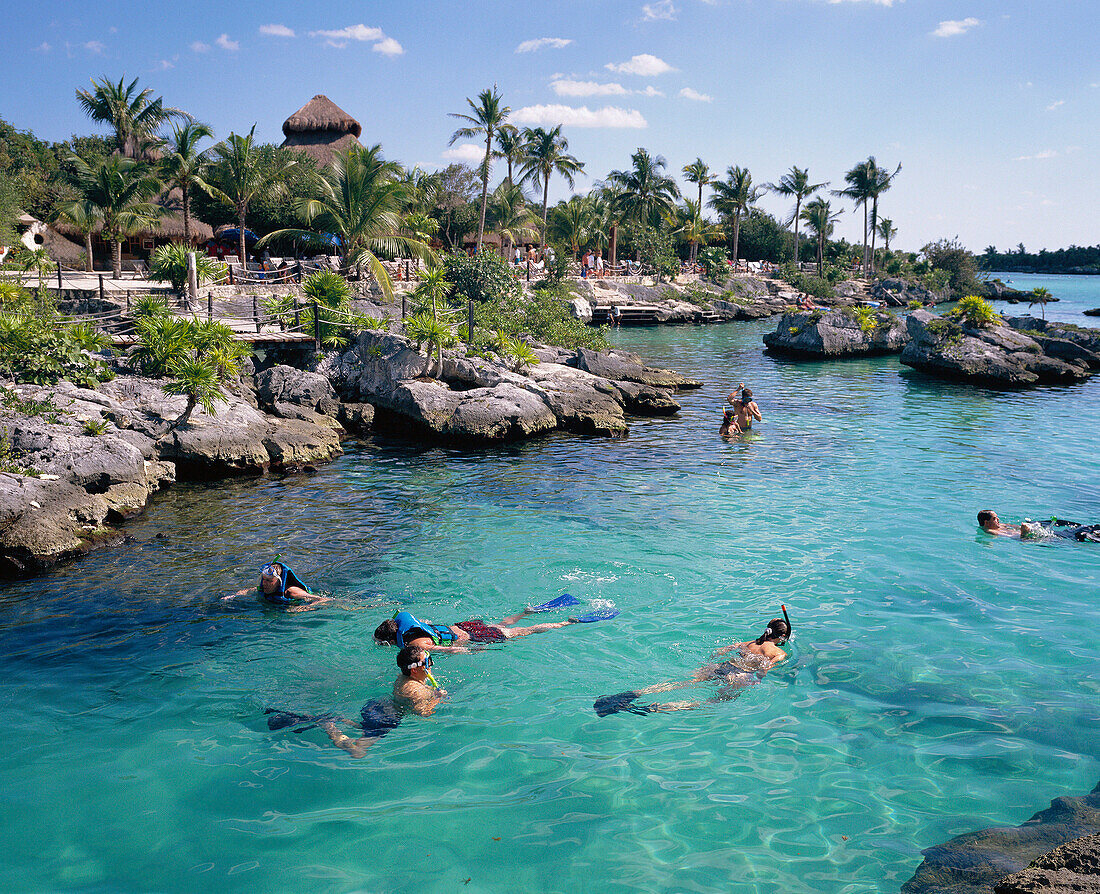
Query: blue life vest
406, 624
289, 579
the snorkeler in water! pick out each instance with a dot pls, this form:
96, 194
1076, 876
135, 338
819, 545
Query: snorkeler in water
738, 417
415, 691
1054, 527
403, 629
279, 585
754, 659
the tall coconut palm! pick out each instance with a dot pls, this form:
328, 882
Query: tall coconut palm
647, 194
488, 115
881, 180
84, 217
860, 189
796, 182
545, 153
118, 190
182, 165
509, 216
509, 147
135, 116
697, 172
886, 230
694, 227
239, 171
359, 199
819, 217
733, 198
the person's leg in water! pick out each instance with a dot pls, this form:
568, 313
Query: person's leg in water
516, 632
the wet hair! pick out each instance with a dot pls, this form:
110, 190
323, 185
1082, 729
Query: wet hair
409, 656
986, 516
386, 632
776, 629
746, 395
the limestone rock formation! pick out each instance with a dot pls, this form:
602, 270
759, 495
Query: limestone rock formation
1072, 868
821, 334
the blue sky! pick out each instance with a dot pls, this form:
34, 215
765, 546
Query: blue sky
992, 108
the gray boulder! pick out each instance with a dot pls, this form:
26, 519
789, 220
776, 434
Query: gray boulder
622, 365
993, 355
502, 412
580, 401
973, 863
283, 386
900, 292
647, 400
1083, 343
1072, 868
837, 333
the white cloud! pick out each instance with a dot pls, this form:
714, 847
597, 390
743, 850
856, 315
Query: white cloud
276, 30
651, 91
567, 87
42, 47
163, 65
388, 47
1046, 153
226, 44
662, 10
94, 46
469, 153
199, 47
645, 65
695, 95
353, 32
555, 43
955, 27
552, 115
1055, 104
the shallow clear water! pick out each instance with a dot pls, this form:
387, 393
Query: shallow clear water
941, 680
1074, 293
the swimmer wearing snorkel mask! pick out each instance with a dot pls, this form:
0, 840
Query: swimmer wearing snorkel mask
279, 585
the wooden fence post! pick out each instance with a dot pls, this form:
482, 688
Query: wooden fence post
316, 327
58, 279
127, 300
470, 321
297, 314
255, 311
102, 293
209, 306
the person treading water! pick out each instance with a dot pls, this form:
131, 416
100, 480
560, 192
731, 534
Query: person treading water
756, 657
737, 418
279, 585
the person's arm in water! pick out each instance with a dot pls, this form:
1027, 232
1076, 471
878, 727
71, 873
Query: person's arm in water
310, 601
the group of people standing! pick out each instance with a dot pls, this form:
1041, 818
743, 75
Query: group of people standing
592, 263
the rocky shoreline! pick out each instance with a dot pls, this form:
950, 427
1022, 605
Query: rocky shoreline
98, 456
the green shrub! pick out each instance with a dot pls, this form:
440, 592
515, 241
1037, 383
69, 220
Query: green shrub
28, 406
168, 263
95, 427
9, 459
975, 311
865, 316
41, 351
543, 315
816, 287
484, 277
715, 263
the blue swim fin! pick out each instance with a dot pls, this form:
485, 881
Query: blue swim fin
563, 601
600, 614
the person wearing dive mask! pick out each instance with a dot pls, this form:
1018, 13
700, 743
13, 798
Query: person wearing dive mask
279, 585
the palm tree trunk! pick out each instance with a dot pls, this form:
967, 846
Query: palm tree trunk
484, 187
116, 258
865, 261
820, 255
88, 251
874, 221
613, 243
240, 239
736, 233
545, 200
797, 206
186, 217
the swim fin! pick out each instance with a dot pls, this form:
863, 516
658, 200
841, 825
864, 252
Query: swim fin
623, 701
599, 614
563, 601
282, 719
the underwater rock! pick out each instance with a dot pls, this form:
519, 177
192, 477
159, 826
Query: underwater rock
1072, 867
822, 334
973, 863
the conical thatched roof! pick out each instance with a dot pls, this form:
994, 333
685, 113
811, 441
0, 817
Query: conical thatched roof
321, 114
320, 129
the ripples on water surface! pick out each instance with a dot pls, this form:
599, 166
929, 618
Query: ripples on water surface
941, 680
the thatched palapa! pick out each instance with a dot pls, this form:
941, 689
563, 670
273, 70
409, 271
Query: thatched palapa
321, 128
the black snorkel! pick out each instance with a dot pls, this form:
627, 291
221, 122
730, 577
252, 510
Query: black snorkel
787, 618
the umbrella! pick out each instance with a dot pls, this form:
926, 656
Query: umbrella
233, 234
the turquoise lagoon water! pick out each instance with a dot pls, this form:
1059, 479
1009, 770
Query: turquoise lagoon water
940, 681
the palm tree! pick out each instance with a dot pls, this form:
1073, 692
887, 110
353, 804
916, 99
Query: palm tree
135, 117
647, 194
695, 228
820, 218
572, 222
118, 189
509, 147
359, 199
84, 217
886, 230
434, 287
734, 197
698, 172
182, 166
881, 180
860, 189
508, 215
240, 171
545, 153
488, 116
796, 182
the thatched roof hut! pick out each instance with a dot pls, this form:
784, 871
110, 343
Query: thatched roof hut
321, 128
